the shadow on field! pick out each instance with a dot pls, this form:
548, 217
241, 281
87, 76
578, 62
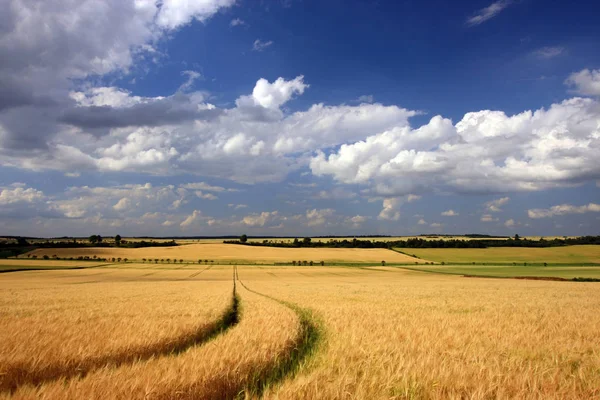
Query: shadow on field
14, 375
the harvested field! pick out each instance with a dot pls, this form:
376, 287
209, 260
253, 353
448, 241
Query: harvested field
579, 254
235, 254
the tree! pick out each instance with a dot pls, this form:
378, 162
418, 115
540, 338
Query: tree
383, 263
296, 243
93, 239
243, 238
118, 240
306, 241
517, 237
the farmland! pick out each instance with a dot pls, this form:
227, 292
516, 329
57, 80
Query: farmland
157, 330
232, 254
582, 254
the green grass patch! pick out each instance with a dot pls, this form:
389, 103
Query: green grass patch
576, 255
566, 272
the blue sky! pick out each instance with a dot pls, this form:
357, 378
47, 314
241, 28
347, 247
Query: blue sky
295, 117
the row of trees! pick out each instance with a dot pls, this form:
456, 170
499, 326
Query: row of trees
517, 241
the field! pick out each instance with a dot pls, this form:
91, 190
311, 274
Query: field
581, 254
231, 253
565, 272
189, 331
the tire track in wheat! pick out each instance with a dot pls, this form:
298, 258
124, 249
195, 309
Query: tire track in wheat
18, 374
308, 339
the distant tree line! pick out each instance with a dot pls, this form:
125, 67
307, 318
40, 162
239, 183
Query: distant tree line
417, 243
19, 245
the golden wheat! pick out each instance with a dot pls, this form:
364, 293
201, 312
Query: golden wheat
62, 329
392, 334
232, 253
221, 368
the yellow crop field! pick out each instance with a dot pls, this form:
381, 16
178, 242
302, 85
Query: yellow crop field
233, 253
146, 331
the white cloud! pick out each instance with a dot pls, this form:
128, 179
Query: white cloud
422, 222
488, 12
317, 217
494, 205
585, 82
237, 206
237, 22
509, 223
191, 219
192, 76
261, 219
390, 209
357, 220
450, 213
562, 209
486, 151
273, 95
176, 13
20, 195
549, 52
123, 204
259, 45
436, 225
205, 196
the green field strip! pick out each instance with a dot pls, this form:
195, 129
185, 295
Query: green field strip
310, 337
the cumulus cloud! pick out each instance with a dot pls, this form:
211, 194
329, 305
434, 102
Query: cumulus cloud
422, 222
317, 217
191, 219
494, 205
390, 209
175, 13
488, 12
450, 213
205, 196
585, 82
262, 219
80, 39
20, 194
357, 220
123, 204
562, 209
259, 45
273, 95
509, 223
487, 151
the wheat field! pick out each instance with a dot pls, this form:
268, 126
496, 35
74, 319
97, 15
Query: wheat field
295, 333
232, 253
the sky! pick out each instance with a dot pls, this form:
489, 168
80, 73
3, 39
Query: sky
299, 117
